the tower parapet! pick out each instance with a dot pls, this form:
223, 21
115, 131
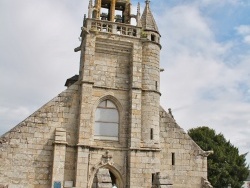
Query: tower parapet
114, 17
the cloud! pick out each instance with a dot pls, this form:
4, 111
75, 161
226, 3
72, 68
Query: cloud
37, 41
244, 31
222, 2
202, 85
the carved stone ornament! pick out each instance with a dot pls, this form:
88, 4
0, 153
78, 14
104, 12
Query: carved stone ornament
206, 153
107, 158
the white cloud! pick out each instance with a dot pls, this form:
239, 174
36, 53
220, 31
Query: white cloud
244, 31
37, 41
221, 2
247, 39
199, 84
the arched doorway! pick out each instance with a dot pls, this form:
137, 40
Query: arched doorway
106, 176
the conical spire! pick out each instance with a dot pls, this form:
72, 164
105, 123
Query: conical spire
147, 19
138, 16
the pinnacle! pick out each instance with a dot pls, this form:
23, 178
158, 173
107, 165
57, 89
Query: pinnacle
147, 20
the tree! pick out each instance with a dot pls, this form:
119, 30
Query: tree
225, 167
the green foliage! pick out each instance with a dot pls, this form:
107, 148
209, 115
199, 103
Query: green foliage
143, 34
225, 166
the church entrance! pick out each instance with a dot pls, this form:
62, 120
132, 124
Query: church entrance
104, 178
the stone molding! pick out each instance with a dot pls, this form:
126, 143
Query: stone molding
206, 183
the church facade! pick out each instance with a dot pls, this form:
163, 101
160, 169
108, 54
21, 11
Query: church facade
107, 129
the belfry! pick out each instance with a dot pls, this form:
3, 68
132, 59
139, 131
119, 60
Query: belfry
107, 129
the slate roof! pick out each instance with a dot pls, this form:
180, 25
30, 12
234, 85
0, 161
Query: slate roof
147, 19
71, 80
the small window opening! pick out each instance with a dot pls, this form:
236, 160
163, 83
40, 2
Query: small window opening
152, 134
173, 159
153, 176
156, 85
133, 21
153, 38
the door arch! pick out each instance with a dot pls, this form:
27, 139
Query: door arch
114, 174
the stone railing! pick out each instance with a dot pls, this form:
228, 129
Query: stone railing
113, 27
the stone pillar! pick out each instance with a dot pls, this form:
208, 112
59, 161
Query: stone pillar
85, 117
127, 13
135, 115
112, 11
135, 98
86, 87
82, 167
59, 157
98, 8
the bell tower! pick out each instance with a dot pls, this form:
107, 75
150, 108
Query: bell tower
119, 92
107, 10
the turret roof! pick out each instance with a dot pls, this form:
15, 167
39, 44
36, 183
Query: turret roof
147, 19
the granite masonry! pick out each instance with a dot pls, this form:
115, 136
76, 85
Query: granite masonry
107, 129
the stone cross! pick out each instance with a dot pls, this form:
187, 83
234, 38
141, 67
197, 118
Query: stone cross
107, 158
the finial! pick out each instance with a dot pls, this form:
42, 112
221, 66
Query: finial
84, 19
90, 8
147, 1
138, 8
90, 3
170, 112
138, 16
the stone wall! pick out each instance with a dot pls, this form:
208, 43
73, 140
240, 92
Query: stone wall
112, 61
142, 165
26, 156
181, 158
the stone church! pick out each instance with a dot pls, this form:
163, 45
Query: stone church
107, 129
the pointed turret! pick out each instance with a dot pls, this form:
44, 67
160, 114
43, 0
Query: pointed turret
138, 15
147, 19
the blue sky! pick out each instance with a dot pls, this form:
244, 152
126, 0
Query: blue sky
205, 55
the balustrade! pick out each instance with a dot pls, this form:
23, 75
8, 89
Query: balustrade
113, 27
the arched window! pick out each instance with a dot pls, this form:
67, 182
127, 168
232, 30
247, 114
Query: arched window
106, 121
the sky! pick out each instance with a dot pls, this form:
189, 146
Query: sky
205, 54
